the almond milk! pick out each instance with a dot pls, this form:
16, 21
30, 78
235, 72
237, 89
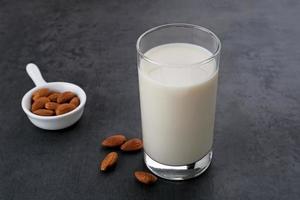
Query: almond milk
177, 103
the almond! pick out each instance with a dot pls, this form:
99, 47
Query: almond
39, 103
109, 160
64, 108
75, 101
145, 177
43, 92
65, 97
114, 141
53, 96
51, 105
43, 112
132, 145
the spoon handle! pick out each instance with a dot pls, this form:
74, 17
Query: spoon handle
35, 74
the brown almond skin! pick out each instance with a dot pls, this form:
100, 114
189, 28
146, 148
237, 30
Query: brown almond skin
51, 105
64, 108
114, 141
134, 144
75, 101
44, 112
39, 103
109, 161
43, 92
65, 97
145, 177
53, 96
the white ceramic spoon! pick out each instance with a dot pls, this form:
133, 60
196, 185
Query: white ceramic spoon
52, 122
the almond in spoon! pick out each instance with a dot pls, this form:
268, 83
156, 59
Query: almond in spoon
51, 105
43, 92
75, 101
109, 161
114, 141
39, 103
53, 96
145, 177
44, 112
65, 97
132, 145
64, 108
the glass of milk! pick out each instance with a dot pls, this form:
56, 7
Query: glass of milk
178, 73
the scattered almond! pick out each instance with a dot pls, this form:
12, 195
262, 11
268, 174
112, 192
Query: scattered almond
43, 92
43, 112
64, 108
132, 145
109, 160
51, 105
145, 177
114, 141
75, 101
53, 96
39, 103
65, 97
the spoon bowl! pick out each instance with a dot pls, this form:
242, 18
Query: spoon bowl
52, 122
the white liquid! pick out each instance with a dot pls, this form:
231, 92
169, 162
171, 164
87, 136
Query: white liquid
177, 103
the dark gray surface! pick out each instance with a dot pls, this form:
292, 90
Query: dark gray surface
92, 44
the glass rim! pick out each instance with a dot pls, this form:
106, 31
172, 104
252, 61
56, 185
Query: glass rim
214, 54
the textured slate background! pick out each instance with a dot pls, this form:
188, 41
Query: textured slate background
92, 44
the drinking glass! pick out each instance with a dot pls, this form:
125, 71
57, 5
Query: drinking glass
178, 72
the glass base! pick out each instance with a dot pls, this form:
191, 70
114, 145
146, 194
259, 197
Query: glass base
178, 172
